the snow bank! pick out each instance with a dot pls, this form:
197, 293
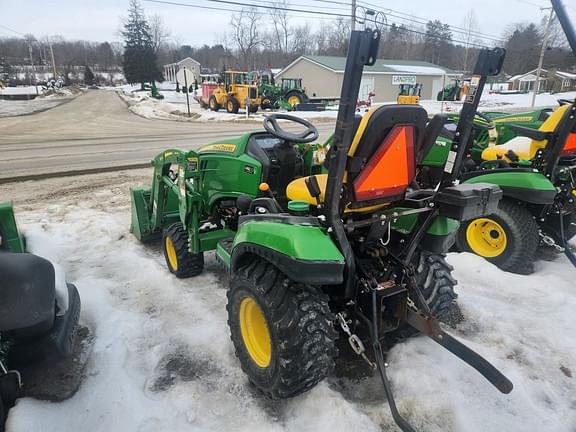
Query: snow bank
173, 106
163, 361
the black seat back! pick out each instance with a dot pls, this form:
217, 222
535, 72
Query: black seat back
382, 157
27, 292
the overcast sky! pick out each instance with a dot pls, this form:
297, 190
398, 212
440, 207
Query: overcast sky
99, 20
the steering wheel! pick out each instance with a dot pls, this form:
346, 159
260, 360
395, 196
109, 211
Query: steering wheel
271, 125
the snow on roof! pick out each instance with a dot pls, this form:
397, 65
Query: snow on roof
382, 66
420, 70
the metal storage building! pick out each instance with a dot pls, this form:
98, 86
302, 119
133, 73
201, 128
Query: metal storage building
322, 77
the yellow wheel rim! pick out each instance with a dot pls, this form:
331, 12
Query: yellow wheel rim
486, 238
230, 106
255, 332
171, 253
293, 100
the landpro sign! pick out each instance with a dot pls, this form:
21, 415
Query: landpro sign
403, 79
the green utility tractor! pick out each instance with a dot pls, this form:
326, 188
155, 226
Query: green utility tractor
286, 96
349, 253
39, 315
452, 92
536, 171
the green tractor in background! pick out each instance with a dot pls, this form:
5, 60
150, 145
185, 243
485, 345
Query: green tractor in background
536, 170
286, 96
452, 92
346, 252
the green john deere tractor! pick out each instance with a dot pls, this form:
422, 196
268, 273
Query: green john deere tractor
312, 257
286, 96
536, 171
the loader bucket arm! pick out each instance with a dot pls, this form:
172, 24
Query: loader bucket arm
182, 183
566, 24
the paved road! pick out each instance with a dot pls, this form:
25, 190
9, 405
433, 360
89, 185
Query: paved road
96, 130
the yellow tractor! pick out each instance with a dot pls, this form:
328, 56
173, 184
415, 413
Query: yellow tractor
409, 94
234, 93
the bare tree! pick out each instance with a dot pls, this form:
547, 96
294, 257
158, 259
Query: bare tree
246, 34
281, 26
470, 25
159, 31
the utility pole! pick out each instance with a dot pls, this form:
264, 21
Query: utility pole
32, 64
542, 51
353, 16
53, 61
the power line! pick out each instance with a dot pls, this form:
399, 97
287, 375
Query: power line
415, 19
250, 5
12, 30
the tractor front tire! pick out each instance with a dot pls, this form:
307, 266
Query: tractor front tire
232, 106
213, 104
282, 331
508, 238
253, 109
179, 259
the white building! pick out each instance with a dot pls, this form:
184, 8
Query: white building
170, 70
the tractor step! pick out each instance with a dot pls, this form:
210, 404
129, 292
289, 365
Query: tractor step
224, 251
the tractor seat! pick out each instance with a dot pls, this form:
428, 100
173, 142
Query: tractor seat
521, 147
298, 191
381, 159
526, 146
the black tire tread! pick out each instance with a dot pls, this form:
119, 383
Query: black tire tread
189, 264
524, 230
302, 325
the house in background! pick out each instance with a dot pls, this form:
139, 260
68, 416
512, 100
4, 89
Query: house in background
322, 77
170, 70
551, 80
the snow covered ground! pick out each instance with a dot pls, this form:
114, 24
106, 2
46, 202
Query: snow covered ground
173, 106
48, 99
163, 361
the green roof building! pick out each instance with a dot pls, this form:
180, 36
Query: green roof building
322, 77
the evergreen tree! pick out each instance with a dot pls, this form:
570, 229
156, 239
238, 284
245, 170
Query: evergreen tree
88, 76
139, 63
523, 46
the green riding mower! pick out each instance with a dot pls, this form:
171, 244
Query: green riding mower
355, 252
536, 170
39, 314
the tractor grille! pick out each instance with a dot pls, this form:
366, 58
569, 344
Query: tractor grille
253, 93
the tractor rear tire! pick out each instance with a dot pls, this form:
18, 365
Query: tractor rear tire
232, 106
507, 238
179, 259
213, 104
282, 331
434, 278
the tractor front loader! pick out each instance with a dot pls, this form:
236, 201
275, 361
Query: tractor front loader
234, 93
356, 252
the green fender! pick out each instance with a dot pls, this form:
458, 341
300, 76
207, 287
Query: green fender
304, 253
10, 237
524, 185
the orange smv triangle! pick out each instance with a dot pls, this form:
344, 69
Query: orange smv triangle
570, 146
390, 170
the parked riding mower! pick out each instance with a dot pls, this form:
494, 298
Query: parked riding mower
353, 252
537, 173
39, 314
